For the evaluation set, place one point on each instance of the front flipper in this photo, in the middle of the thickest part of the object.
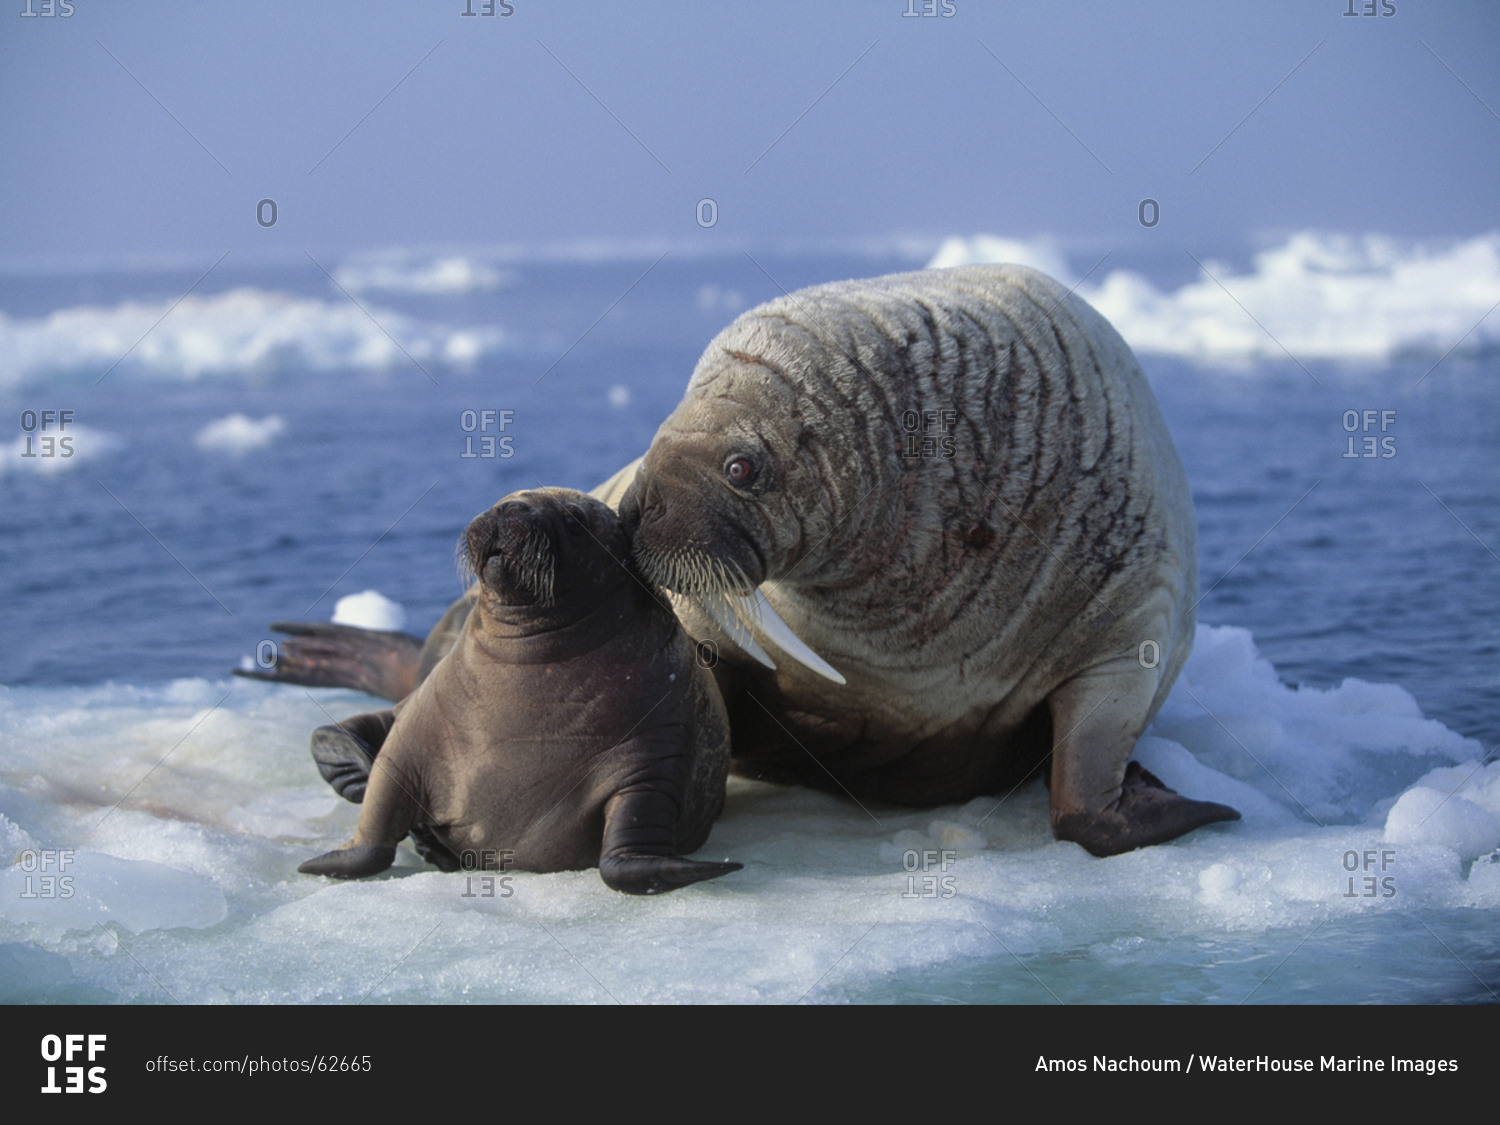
(1146, 813)
(351, 862)
(380, 663)
(1100, 799)
(345, 751)
(639, 854)
(391, 806)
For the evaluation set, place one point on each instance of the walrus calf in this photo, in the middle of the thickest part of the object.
(569, 726)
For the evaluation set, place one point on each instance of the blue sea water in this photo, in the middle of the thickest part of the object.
(1348, 519)
(1350, 544)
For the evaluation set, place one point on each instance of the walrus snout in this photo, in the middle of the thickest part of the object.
(687, 536)
(509, 549)
(497, 530)
(642, 500)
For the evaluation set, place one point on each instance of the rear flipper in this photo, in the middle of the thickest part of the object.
(638, 855)
(345, 752)
(380, 663)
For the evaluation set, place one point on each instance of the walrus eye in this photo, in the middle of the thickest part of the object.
(741, 472)
(573, 520)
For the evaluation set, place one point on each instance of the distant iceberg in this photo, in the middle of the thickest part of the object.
(239, 434)
(242, 332)
(441, 276)
(985, 249)
(1317, 296)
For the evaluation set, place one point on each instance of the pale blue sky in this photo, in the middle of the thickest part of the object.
(578, 121)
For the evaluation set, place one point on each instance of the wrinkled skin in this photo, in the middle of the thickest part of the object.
(956, 487)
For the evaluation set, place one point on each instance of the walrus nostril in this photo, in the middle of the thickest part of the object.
(513, 508)
(652, 502)
(638, 502)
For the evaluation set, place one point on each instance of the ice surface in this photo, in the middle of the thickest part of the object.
(89, 888)
(1317, 296)
(369, 609)
(186, 807)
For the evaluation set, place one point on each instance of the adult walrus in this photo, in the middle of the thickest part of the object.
(956, 488)
(569, 726)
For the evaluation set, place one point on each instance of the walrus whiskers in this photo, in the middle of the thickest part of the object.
(736, 604)
(463, 564)
(534, 567)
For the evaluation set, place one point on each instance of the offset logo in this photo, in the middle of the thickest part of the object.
(67, 1049)
(929, 434)
(926, 873)
(1359, 425)
(482, 433)
(39, 441)
(46, 875)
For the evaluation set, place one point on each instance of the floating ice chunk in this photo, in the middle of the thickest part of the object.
(711, 298)
(369, 609)
(463, 348)
(237, 434)
(439, 276)
(1322, 296)
(56, 450)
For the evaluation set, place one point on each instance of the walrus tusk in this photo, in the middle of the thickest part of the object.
(736, 614)
(728, 618)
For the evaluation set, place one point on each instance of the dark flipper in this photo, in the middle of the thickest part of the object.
(639, 856)
(653, 874)
(352, 862)
(1146, 813)
(382, 663)
(345, 752)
